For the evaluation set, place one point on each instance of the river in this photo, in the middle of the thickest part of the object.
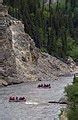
(37, 106)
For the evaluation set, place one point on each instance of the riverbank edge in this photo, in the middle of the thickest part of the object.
(63, 115)
(4, 83)
(71, 98)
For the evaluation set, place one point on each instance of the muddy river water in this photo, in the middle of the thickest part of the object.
(37, 106)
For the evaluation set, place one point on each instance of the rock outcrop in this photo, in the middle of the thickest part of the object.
(31, 64)
(7, 58)
(20, 60)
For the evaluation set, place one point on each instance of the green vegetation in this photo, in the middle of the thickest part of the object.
(72, 94)
(54, 27)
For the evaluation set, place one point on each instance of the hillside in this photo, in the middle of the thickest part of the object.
(32, 63)
(20, 60)
(53, 27)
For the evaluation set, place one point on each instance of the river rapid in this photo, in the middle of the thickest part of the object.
(37, 106)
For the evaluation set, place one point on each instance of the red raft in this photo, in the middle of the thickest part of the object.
(44, 86)
(17, 99)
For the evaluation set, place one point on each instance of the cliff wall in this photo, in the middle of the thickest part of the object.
(31, 64)
(20, 60)
(7, 58)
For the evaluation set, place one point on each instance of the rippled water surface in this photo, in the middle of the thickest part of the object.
(36, 107)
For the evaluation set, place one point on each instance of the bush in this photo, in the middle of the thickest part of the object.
(75, 80)
(72, 94)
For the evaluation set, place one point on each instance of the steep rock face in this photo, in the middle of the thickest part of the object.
(25, 52)
(31, 64)
(20, 60)
(7, 58)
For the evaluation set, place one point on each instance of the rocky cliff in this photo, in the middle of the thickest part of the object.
(31, 64)
(20, 60)
(7, 58)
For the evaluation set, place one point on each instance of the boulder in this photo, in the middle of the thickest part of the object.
(71, 63)
(3, 82)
